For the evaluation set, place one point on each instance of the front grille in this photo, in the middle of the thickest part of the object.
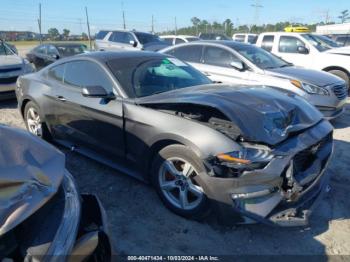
(8, 80)
(341, 91)
(6, 70)
(304, 159)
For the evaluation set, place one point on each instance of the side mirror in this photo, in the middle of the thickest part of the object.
(238, 65)
(303, 50)
(55, 56)
(133, 43)
(96, 92)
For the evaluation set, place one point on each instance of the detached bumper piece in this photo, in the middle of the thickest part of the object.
(70, 227)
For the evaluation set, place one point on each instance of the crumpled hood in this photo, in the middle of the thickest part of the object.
(263, 114)
(10, 60)
(31, 172)
(309, 76)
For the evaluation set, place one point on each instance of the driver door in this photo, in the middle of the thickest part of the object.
(216, 64)
(287, 48)
(92, 124)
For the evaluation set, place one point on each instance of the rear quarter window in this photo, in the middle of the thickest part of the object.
(188, 53)
(101, 35)
(267, 42)
(56, 73)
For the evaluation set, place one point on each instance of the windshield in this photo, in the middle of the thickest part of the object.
(71, 50)
(328, 41)
(260, 57)
(145, 38)
(147, 76)
(317, 42)
(5, 50)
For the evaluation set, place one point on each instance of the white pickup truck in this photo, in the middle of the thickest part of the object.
(307, 50)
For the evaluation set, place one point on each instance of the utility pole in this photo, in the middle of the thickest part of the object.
(152, 24)
(39, 24)
(327, 18)
(88, 27)
(175, 26)
(257, 6)
(124, 24)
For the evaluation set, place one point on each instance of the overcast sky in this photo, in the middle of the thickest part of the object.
(23, 14)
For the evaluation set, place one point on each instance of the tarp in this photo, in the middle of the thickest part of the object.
(31, 172)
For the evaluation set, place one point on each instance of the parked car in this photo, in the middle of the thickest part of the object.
(12, 47)
(11, 66)
(213, 36)
(119, 40)
(245, 38)
(238, 63)
(307, 50)
(178, 39)
(42, 214)
(247, 153)
(297, 29)
(47, 53)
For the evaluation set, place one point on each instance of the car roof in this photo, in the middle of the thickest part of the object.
(228, 43)
(104, 56)
(178, 36)
(125, 30)
(285, 33)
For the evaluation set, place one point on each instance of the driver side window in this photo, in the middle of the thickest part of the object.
(289, 44)
(85, 73)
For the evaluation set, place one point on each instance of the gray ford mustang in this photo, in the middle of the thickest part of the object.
(247, 154)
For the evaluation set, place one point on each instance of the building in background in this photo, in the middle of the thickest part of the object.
(333, 29)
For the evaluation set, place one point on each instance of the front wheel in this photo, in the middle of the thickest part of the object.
(343, 75)
(175, 174)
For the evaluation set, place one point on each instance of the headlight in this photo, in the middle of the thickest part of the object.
(311, 89)
(246, 159)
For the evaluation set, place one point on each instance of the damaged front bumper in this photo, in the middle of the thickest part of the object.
(282, 193)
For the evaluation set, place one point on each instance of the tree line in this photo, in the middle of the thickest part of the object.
(227, 27)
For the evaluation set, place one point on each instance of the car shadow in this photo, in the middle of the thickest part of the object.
(8, 104)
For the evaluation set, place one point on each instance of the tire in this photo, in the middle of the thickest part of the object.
(181, 157)
(343, 75)
(28, 116)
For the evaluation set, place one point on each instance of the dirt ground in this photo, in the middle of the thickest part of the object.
(141, 225)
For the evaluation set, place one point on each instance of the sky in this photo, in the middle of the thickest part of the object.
(107, 14)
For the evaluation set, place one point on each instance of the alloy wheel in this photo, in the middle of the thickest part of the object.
(176, 180)
(34, 122)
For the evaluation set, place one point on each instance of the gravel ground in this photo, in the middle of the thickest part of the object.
(141, 225)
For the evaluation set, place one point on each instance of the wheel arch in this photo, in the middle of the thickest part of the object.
(162, 143)
(330, 68)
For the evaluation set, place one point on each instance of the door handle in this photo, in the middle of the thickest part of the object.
(61, 98)
(206, 73)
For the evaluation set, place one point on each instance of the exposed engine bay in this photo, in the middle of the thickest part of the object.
(204, 114)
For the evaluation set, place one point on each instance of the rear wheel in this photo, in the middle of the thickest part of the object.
(175, 174)
(34, 122)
